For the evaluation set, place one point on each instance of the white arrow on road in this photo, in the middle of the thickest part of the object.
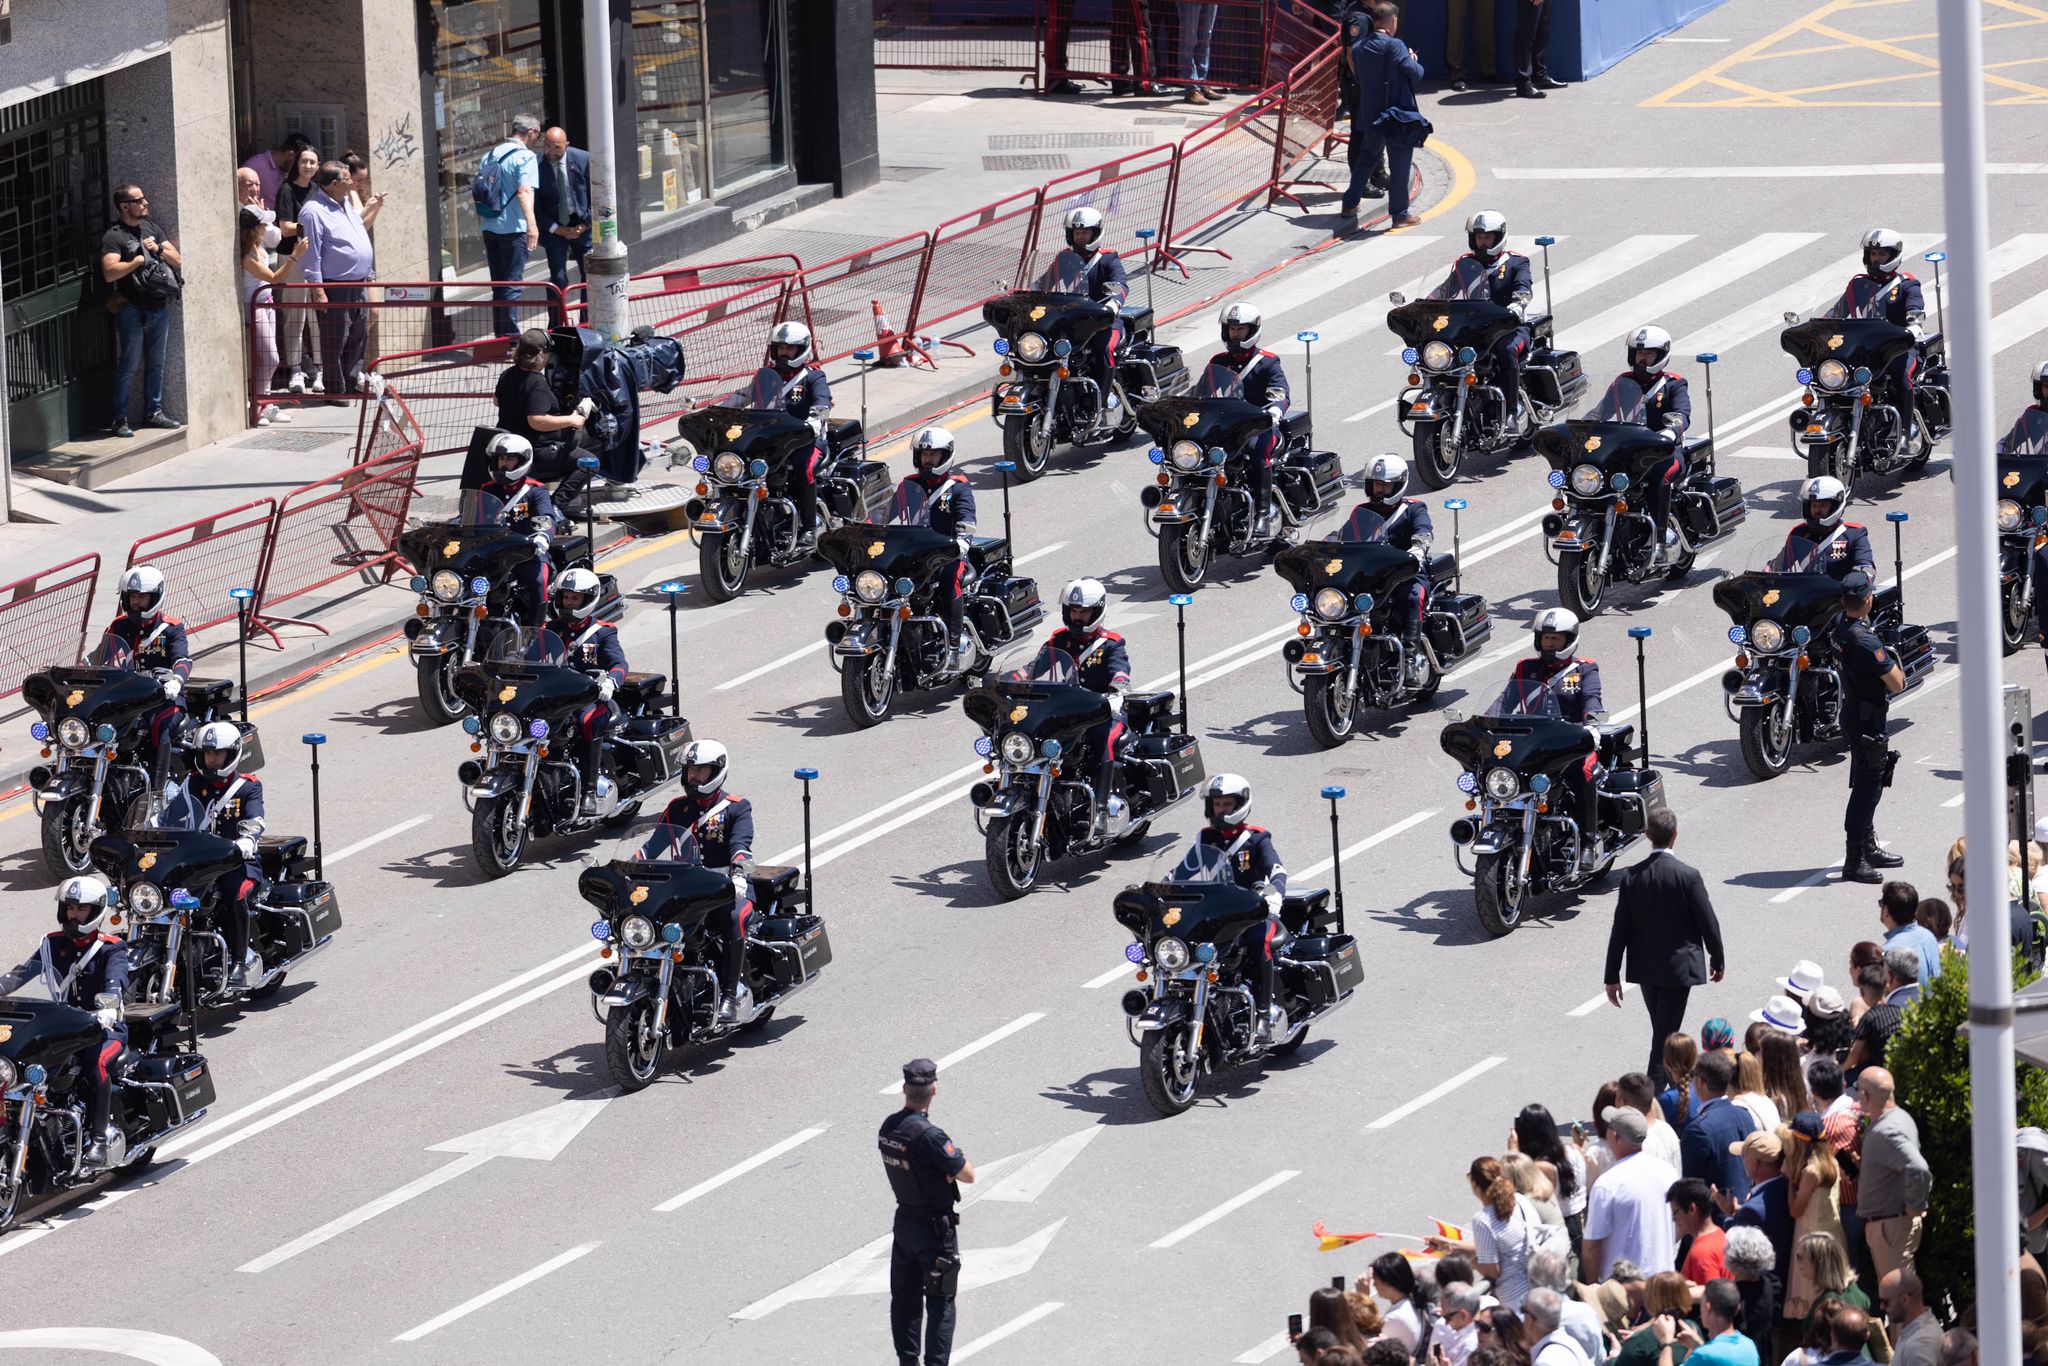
(537, 1137)
(865, 1271)
(133, 1343)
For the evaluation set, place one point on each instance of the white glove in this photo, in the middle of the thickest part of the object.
(540, 541)
(1919, 332)
(174, 686)
(1519, 309)
(1272, 900)
(1116, 704)
(1273, 416)
(1668, 435)
(108, 1017)
(964, 544)
(1421, 554)
(816, 422)
(586, 409)
(741, 888)
(606, 686)
(247, 846)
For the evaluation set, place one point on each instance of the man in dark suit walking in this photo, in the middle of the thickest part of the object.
(561, 205)
(1386, 70)
(1665, 926)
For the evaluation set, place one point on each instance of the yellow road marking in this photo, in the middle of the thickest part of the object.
(1463, 180)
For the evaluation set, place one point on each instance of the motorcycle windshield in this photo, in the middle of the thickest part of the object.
(763, 391)
(1624, 401)
(479, 511)
(1219, 381)
(1362, 527)
(1456, 323)
(656, 841)
(1198, 862)
(914, 504)
(1374, 566)
(1047, 664)
(106, 685)
(2028, 436)
(1783, 589)
(513, 647)
(1189, 894)
(1525, 697)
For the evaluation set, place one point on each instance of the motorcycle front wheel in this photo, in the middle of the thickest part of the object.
(1026, 443)
(67, 838)
(438, 702)
(1013, 856)
(2012, 617)
(632, 1050)
(1581, 587)
(1498, 892)
(1766, 745)
(867, 690)
(1436, 455)
(1169, 1081)
(723, 570)
(1331, 710)
(10, 1198)
(497, 837)
(1183, 556)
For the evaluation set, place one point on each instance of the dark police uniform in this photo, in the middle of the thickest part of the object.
(724, 824)
(1573, 686)
(924, 1262)
(1105, 666)
(1864, 660)
(2029, 436)
(592, 647)
(1896, 298)
(1810, 549)
(1261, 379)
(952, 516)
(806, 395)
(1253, 863)
(528, 509)
(78, 972)
(150, 643)
(1099, 276)
(1663, 403)
(230, 805)
(1504, 281)
(1405, 525)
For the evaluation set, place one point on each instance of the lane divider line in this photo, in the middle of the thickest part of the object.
(995, 1036)
(1433, 1094)
(1234, 1203)
(739, 1169)
(1001, 1331)
(1581, 1011)
(378, 838)
(496, 1293)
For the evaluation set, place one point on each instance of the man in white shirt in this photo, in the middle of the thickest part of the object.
(1549, 1344)
(1549, 1270)
(1638, 1093)
(1457, 1328)
(1627, 1215)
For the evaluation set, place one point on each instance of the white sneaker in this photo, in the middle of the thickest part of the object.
(263, 416)
(297, 383)
(280, 415)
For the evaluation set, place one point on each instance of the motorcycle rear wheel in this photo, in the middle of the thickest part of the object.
(1168, 1084)
(10, 1200)
(2012, 619)
(438, 702)
(632, 1050)
(758, 1023)
(1766, 748)
(66, 838)
(496, 837)
(1183, 557)
(719, 562)
(1289, 1048)
(866, 690)
(1436, 458)
(1498, 897)
(1331, 710)
(1581, 587)
(1027, 445)
(1012, 859)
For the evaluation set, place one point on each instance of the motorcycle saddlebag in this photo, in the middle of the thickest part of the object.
(807, 934)
(1554, 378)
(656, 744)
(1458, 624)
(1931, 397)
(1635, 793)
(1326, 474)
(1325, 967)
(1151, 371)
(1019, 597)
(1723, 494)
(286, 901)
(1915, 651)
(1171, 764)
(176, 1086)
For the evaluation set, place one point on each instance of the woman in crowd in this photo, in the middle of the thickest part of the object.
(1717, 1036)
(256, 234)
(1865, 953)
(1753, 1265)
(1827, 1026)
(1814, 1180)
(1535, 1136)
(1935, 917)
(1818, 1341)
(1501, 1328)
(295, 325)
(1749, 1084)
(1327, 1309)
(1664, 1293)
(1532, 1185)
(1392, 1282)
(1681, 1055)
(1785, 1074)
(1504, 1232)
(1593, 1148)
(1821, 1263)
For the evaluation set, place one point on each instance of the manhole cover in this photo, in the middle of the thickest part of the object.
(291, 441)
(1029, 161)
(641, 501)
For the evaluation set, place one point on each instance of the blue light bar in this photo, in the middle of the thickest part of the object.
(1737, 634)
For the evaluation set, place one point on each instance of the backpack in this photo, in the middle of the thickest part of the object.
(493, 187)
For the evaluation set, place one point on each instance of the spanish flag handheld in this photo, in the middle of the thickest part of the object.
(1451, 1231)
(1330, 1242)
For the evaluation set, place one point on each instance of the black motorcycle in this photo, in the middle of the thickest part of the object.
(1194, 1012)
(1846, 427)
(107, 769)
(1784, 689)
(1041, 400)
(45, 1095)
(747, 448)
(1454, 405)
(1596, 534)
(1349, 654)
(889, 634)
(464, 577)
(1201, 505)
(659, 987)
(1522, 831)
(1040, 800)
(2022, 529)
(527, 725)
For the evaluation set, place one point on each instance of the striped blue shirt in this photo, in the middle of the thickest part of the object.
(337, 244)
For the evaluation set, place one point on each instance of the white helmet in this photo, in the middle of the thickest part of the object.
(931, 441)
(1648, 337)
(1083, 220)
(1824, 488)
(705, 754)
(2040, 378)
(146, 579)
(1887, 247)
(581, 581)
(1386, 469)
(83, 891)
(217, 737)
(1556, 621)
(789, 334)
(1086, 598)
(509, 446)
(1487, 221)
(1239, 315)
(1226, 785)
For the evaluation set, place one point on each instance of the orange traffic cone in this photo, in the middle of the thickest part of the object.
(885, 338)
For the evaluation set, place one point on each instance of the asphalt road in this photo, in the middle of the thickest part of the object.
(731, 1211)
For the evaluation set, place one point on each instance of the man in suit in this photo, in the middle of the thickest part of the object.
(1717, 1126)
(1386, 70)
(1666, 927)
(561, 204)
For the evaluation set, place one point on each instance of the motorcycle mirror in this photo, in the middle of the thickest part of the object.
(1397, 297)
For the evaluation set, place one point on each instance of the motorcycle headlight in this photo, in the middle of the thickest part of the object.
(870, 585)
(638, 932)
(8, 1076)
(1331, 604)
(1031, 347)
(145, 898)
(447, 585)
(505, 728)
(729, 468)
(72, 734)
(2009, 517)
(1586, 480)
(1831, 374)
(1170, 954)
(1189, 455)
(1017, 748)
(1766, 637)
(1502, 784)
(1438, 356)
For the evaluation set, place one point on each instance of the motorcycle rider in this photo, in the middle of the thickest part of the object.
(527, 508)
(1084, 267)
(1261, 379)
(1555, 681)
(1404, 524)
(1662, 401)
(1489, 272)
(2029, 435)
(1255, 866)
(950, 500)
(1105, 667)
(724, 825)
(217, 797)
(1821, 542)
(806, 395)
(590, 646)
(141, 637)
(1885, 291)
(81, 965)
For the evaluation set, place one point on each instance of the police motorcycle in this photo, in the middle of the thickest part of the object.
(889, 634)
(1349, 653)
(106, 769)
(1783, 689)
(1844, 424)
(658, 988)
(528, 707)
(1202, 504)
(1041, 401)
(746, 449)
(1040, 799)
(1193, 1012)
(465, 575)
(2022, 520)
(1454, 407)
(1522, 831)
(1595, 533)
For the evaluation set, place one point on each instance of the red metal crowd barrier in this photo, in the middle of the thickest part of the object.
(1224, 164)
(44, 619)
(974, 257)
(865, 298)
(1132, 192)
(206, 558)
(346, 524)
(909, 36)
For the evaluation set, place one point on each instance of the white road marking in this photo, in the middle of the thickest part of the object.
(1934, 682)
(865, 1271)
(1265, 1351)
(995, 1036)
(1765, 453)
(1041, 1168)
(1406, 823)
(1768, 313)
(771, 666)
(1802, 172)
(1954, 801)
(1696, 283)
(1813, 880)
(1038, 554)
(1234, 1203)
(997, 1334)
(137, 1344)
(1433, 1094)
(1580, 1011)
(378, 838)
(495, 1293)
(1124, 969)
(1494, 658)
(22, 1237)
(1313, 287)
(739, 1169)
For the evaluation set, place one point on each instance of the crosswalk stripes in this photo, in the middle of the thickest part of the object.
(1766, 314)
(1696, 283)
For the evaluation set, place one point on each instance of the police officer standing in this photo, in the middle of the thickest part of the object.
(925, 1171)
(1870, 675)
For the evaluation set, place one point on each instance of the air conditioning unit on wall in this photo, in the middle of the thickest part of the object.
(325, 126)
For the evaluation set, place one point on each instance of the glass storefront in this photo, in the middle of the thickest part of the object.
(710, 108)
(489, 63)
